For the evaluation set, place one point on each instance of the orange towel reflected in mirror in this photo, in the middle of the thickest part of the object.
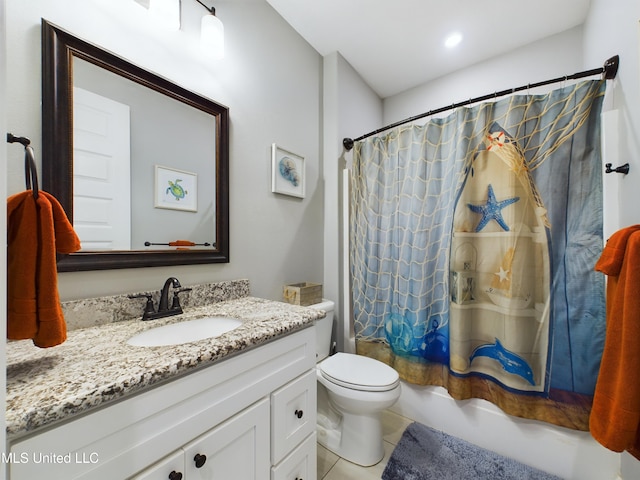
(182, 243)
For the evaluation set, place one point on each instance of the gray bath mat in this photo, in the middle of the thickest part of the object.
(427, 454)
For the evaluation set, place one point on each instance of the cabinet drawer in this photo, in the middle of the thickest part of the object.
(164, 468)
(299, 464)
(293, 414)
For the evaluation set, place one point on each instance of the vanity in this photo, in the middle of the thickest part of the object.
(238, 406)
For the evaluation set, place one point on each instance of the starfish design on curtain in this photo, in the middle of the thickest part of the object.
(492, 210)
(503, 274)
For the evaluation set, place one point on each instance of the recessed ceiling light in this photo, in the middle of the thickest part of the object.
(453, 40)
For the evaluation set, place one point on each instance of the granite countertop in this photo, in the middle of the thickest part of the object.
(95, 365)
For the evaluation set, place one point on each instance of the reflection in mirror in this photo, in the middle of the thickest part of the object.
(137, 162)
(129, 131)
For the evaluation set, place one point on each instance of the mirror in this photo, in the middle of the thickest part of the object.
(161, 178)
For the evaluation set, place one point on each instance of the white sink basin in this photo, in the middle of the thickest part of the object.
(184, 332)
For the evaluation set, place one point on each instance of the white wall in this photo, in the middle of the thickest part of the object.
(552, 57)
(614, 28)
(270, 79)
(349, 105)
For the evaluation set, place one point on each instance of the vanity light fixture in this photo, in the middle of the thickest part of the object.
(211, 34)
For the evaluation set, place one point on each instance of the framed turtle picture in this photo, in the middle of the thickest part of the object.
(287, 172)
(176, 189)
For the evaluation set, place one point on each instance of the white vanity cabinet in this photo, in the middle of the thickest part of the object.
(238, 449)
(249, 417)
(293, 427)
(171, 468)
(299, 464)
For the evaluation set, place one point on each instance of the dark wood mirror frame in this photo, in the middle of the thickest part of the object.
(58, 49)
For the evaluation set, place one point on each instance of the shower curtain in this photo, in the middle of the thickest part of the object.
(472, 245)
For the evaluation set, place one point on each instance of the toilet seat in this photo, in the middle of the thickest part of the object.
(359, 373)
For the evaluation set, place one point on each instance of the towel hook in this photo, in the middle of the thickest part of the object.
(11, 138)
(30, 171)
(624, 169)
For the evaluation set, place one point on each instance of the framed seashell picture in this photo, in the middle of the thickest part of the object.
(287, 172)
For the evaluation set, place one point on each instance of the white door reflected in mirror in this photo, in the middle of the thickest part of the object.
(101, 172)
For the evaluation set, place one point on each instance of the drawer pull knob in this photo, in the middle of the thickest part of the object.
(175, 475)
(200, 460)
(299, 414)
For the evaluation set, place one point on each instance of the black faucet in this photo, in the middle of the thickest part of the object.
(164, 294)
(164, 310)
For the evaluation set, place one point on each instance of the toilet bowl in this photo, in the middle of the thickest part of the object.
(352, 392)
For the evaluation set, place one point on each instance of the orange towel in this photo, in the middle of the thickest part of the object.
(615, 414)
(181, 243)
(36, 229)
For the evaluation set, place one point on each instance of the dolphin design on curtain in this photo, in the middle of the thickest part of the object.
(472, 245)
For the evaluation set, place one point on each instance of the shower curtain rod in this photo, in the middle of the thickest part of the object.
(610, 69)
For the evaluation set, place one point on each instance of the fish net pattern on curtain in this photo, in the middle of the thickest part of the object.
(443, 214)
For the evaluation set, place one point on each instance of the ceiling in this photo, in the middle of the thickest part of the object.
(396, 45)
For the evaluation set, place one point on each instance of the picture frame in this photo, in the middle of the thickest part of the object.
(287, 172)
(175, 189)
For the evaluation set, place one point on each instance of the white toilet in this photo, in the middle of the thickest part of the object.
(352, 392)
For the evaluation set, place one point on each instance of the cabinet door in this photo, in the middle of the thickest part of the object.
(299, 464)
(237, 449)
(293, 414)
(169, 468)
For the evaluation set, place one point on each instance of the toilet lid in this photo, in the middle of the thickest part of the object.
(359, 373)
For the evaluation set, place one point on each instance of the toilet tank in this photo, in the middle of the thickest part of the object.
(323, 328)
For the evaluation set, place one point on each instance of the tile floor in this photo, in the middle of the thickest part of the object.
(332, 467)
